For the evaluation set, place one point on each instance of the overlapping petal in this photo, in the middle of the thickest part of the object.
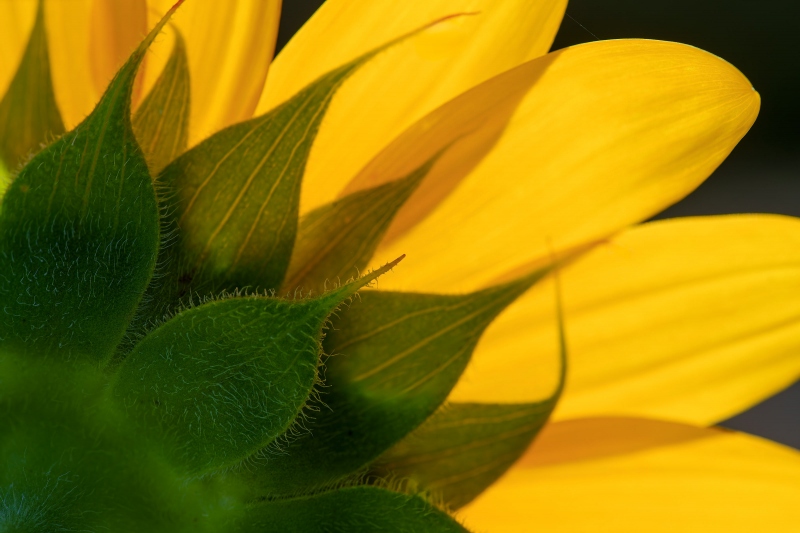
(633, 475)
(405, 83)
(611, 133)
(230, 47)
(458, 135)
(690, 319)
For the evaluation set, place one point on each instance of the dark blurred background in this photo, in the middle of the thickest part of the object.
(763, 173)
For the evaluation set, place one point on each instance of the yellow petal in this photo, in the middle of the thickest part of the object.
(16, 22)
(230, 46)
(69, 38)
(635, 475)
(689, 319)
(465, 128)
(89, 40)
(404, 84)
(611, 133)
(117, 28)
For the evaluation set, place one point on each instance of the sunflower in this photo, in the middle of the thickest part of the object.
(176, 348)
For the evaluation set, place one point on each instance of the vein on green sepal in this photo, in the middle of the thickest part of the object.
(463, 448)
(395, 358)
(339, 238)
(161, 123)
(233, 223)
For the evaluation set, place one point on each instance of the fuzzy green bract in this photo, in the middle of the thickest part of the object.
(463, 448)
(180, 351)
(79, 233)
(399, 355)
(225, 379)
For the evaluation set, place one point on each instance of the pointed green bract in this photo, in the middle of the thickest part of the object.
(29, 115)
(338, 239)
(237, 196)
(234, 216)
(79, 234)
(351, 510)
(463, 448)
(223, 380)
(161, 123)
(395, 358)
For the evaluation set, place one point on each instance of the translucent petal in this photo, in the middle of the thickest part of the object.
(230, 47)
(688, 319)
(458, 135)
(611, 133)
(117, 28)
(89, 41)
(405, 83)
(69, 25)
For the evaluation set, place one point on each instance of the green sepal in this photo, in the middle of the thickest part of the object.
(338, 239)
(396, 356)
(234, 219)
(465, 447)
(350, 510)
(221, 381)
(79, 234)
(236, 201)
(161, 123)
(29, 114)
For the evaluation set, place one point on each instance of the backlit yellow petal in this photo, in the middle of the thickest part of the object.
(230, 46)
(405, 83)
(89, 40)
(69, 34)
(466, 128)
(117, 28)
(16, 22)
(688, 319)
(611, 133)
(634, 475)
